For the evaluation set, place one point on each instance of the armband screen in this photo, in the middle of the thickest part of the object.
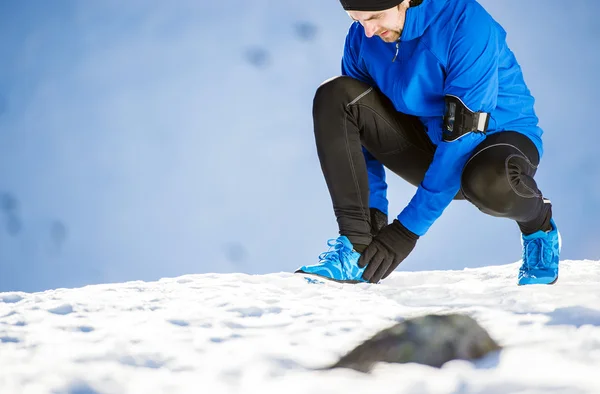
(460, 120)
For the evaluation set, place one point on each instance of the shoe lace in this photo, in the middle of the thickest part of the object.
(333, 254)
(537, 252)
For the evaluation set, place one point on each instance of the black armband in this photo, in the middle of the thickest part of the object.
(460, 120)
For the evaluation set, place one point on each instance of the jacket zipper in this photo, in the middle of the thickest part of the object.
(397, 48)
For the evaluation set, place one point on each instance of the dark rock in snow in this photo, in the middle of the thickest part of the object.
(431, 340)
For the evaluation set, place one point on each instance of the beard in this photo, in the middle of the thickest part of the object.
(390, 35)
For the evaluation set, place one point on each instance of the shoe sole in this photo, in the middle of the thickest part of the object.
(539, 283)
(329, 279)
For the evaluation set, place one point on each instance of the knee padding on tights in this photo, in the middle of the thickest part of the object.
(485, 183)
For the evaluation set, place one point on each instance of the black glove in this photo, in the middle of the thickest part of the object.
(387, 250)
(378, 221)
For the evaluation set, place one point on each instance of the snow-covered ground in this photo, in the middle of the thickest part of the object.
(234, 333)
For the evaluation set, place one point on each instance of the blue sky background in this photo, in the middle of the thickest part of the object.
(141, 140)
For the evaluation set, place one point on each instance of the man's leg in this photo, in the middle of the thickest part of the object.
(498, 179)
(349, 114)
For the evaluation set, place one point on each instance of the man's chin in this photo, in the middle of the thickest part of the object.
(390, 37)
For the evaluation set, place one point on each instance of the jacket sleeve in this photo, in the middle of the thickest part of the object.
(352, 67)
(471, 75)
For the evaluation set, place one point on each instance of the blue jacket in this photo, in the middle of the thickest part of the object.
(447, 47)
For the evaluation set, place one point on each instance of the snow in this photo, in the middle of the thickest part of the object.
(238, 333)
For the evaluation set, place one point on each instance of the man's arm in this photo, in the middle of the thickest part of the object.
(472, 76)
(352, 66)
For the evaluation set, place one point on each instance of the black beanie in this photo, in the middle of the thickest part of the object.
(369, 5)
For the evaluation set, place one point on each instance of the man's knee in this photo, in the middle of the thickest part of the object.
(486, 185)
(340, 90)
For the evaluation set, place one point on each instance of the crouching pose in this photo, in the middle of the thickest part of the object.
(430, 91)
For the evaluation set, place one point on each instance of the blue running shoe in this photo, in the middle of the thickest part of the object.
(339, 263)
(541, 252)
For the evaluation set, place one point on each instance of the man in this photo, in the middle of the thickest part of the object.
(430, 90)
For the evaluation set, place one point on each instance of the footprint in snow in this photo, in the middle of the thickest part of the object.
(178, 322)
(10, 298)
(64, 309)
(255, 311)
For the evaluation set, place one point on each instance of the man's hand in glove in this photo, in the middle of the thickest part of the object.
(387, 250)
(378, 221)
